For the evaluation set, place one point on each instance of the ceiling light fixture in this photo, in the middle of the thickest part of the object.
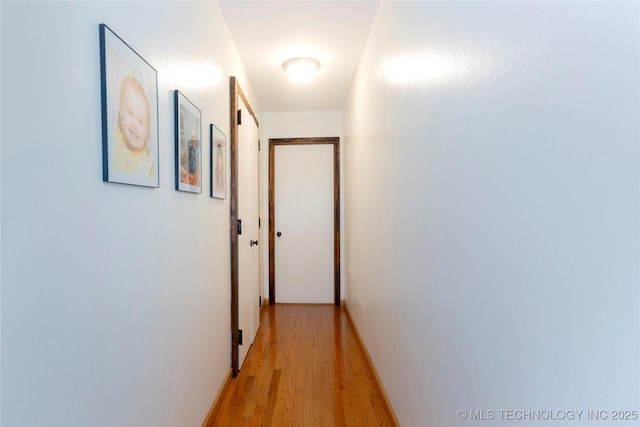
(301, 70)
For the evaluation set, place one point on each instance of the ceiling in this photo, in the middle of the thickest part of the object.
(267, 33)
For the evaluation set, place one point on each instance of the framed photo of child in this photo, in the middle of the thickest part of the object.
(218, 161)
(129, 114)
(188, 145)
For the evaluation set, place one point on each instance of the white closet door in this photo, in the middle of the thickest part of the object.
(304, 271)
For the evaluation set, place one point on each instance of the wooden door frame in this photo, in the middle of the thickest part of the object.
(235, 92)
(335, 141)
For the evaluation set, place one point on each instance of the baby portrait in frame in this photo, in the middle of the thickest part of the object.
(188, 145)
(218, 160)
(129, 87)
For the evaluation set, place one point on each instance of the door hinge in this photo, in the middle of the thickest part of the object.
(239, 336)
(239, 226)
(258, 145)
(239, 117)
(259, 224)
(260, 301)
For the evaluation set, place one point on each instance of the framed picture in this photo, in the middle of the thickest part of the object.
(188, 145)
(218, 162)
(129, 114)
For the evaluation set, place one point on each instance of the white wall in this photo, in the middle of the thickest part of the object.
(115, 298)
(492, 201)
(299, 124)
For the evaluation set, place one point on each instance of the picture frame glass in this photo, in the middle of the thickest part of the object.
(129, 114)
(218, 160)
(188, 145)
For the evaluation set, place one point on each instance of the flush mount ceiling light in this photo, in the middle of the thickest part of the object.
(301, 70)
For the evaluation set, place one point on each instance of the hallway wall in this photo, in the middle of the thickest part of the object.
(492, 199)
(115, 298)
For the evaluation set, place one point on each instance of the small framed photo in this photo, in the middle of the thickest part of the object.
(218, 161)
(129, 87)
(188, 145)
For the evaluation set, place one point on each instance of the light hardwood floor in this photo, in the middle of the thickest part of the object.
(305, 368)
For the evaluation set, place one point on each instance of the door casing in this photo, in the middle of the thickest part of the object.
(335, 141)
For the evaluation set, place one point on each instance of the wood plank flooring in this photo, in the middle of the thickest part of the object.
(305, 368)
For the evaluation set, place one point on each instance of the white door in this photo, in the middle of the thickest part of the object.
(256, 294)
(304, 214)
(248, 255)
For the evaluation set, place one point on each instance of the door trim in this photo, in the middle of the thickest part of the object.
(235, 92)
(335, 141)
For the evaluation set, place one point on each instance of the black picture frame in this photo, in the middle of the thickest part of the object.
(218, 163)
(188, 146)
(129, 92)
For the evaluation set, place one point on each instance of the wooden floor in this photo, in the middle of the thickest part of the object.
(305, 368)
